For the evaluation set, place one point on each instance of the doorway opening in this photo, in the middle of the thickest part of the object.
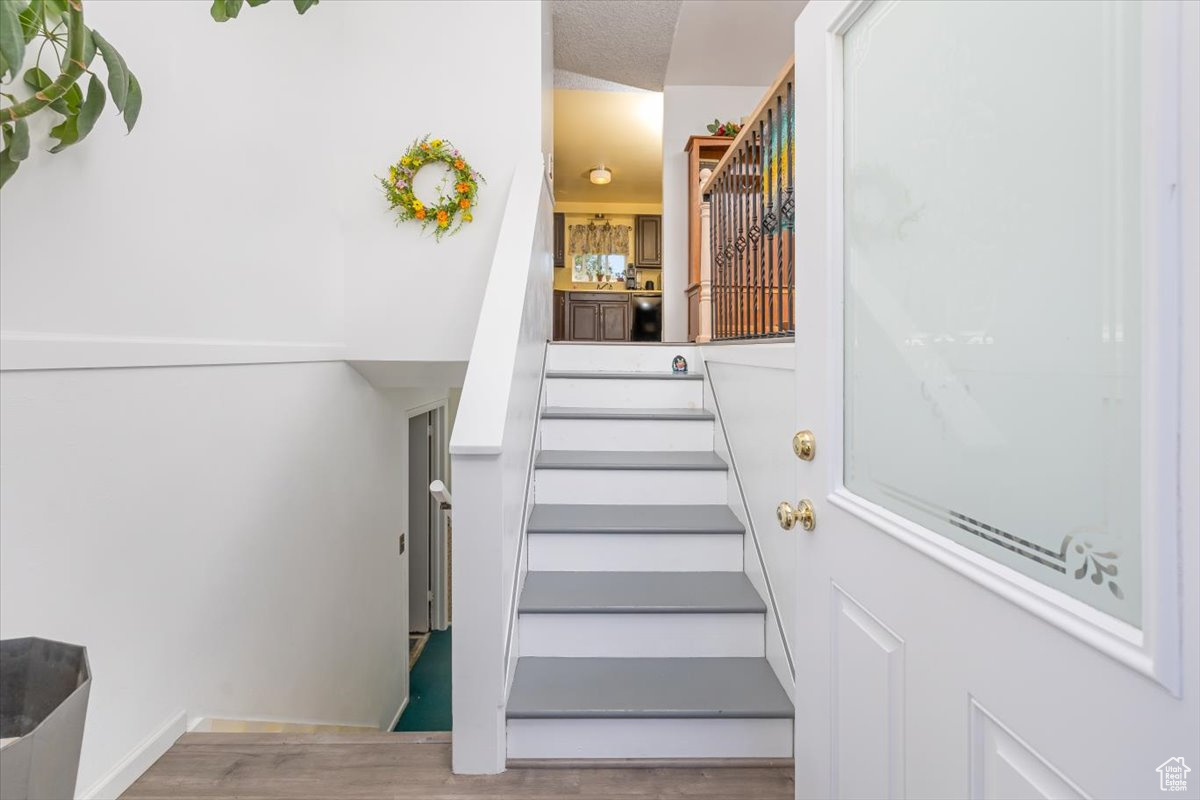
(430, 638)
(608, 233)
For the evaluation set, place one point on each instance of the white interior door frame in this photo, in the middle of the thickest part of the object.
(1155, 649)
(439, 549)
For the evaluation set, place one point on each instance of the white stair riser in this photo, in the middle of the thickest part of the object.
(627, 434)
(622, 358)
(641, 635)
(630, 486)
(624, 393)
(635, 552)
(650, 738)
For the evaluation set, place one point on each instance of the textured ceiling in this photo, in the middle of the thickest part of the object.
(723, 43)
(616, 40)
(622, 131)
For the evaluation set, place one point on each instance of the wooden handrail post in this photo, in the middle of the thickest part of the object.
(705, 334)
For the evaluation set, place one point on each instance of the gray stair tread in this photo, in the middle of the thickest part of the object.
(566, 412)
(639, 593)
(630, 459)
(596, 374)
(633, 519)
(646, 687)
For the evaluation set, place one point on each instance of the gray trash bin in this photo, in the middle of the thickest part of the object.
(43, 700)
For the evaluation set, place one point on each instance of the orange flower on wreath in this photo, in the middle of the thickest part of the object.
(420, 213)
(464, 203)
(463, 188)
(443, 218)
(459, 163)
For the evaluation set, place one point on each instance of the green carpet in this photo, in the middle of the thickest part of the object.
(429, 688)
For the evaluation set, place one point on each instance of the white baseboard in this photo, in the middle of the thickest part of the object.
(399, 713)
(137, 761)
(204, 724)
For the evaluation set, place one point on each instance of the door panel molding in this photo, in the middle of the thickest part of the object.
(1154, 649)
(1003, 765)
(867, 674)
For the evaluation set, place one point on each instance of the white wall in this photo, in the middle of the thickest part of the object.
(406, 295)
(213, 218)
(244, 205)
(686, 112)
(754, 386)
(222, 539)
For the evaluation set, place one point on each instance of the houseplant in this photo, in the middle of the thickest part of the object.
(73, 48)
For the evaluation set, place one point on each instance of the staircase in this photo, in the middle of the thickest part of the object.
(639, 635)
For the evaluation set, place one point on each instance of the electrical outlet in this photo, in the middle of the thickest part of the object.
(402, 544)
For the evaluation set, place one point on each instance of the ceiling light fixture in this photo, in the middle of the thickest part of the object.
(600, 176)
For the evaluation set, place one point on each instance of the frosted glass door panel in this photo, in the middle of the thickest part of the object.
(992, 279)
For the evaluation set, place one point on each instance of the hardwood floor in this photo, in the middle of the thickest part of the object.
(399, 766)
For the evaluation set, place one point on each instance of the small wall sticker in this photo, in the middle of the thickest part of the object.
(679, 365)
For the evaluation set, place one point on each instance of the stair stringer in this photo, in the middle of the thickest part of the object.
(778, 649)
(511, 645)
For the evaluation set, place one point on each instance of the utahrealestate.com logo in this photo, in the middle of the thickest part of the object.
(1172, 775)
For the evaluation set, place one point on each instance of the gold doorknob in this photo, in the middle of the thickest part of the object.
(804, 445)
(802, 513)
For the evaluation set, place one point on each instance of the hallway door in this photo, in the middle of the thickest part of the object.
(422, 518)
(996, 351)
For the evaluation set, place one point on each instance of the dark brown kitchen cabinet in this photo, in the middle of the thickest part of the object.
(585, 321)
(647, 232)
(560, 316)
(614, 321)
(560, 240)
(597, 317)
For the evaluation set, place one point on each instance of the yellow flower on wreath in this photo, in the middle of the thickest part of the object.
(443, 218)
(418, 205)
(437, 143)
(467, 217)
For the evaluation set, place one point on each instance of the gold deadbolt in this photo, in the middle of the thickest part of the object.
(805, 445)
(802, 513)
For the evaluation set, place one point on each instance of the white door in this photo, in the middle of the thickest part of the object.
(996, 350)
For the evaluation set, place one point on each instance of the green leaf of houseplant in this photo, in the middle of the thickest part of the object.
(118, 72)
(89, 47)
(31, 20)
(70, 102)
(233, 8)
(67, 133)
(254, 3)
(12, 38)
(18, 149)
(56, 8)
(218, 11)
(133, 103)
(7, 165)
(36, 78)
(304, 5)
(75, 129)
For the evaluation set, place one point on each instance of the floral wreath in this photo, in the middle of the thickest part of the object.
(444, 215)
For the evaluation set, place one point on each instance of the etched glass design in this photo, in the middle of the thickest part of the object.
(992, 174)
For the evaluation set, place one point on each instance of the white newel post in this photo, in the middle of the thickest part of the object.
(705, 334)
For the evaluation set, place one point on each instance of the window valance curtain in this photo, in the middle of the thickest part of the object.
(593, 239)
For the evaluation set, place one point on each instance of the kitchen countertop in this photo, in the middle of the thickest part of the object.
(611, 291)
